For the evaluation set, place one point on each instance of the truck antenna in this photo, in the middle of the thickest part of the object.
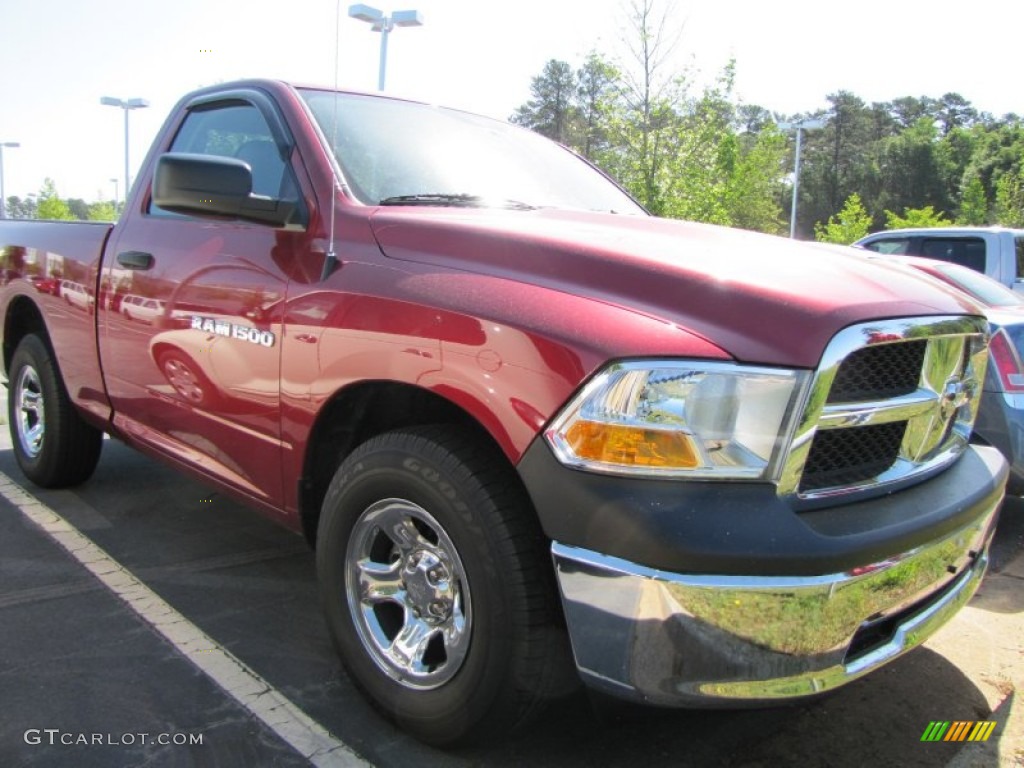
(331, 258)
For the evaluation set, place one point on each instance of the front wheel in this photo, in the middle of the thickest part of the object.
(437, 588)
(53, 445)
(187, 378)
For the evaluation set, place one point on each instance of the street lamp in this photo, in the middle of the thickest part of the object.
(3, 200)
(801, 126)
(127, 105)
(384, 24)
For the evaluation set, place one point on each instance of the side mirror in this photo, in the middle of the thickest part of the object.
(208, 185)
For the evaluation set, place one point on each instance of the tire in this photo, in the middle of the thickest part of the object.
(191, 384)
(54, 446)
(426, 539)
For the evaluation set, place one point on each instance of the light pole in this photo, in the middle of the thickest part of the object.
(127, 105)
(384, 24)
(801, 126)
(3, 200)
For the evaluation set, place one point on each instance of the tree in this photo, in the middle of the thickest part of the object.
(913, 169)
(908, 110)
(647, 126)
(551, 111)
(988, 151)
(954, 111)
(973, 204)
(681, 156)
(913, 218)
(21, 209)
(883, 124)
(709, 158)
(50, 205)
(597, 89)
(102, 211)
(755, 186)
(752, 119)
(702, 156)
(78, 207)
(838, 160)
(851, 224)
(1010, 199)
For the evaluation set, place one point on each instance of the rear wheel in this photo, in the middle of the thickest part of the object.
(53, 445)
(436, 586)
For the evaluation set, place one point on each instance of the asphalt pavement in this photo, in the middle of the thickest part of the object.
(86, 679)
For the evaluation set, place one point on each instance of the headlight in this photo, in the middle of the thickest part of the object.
(680, 419)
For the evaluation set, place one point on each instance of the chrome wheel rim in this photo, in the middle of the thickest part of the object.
(184, 380)
(408, 594)
(30, 415)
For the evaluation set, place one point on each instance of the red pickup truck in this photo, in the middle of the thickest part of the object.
(516, 414)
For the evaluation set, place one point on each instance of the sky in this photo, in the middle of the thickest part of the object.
(58, 57)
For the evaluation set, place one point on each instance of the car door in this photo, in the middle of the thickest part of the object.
(200, 379)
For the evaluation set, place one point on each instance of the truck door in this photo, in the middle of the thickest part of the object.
(192, 310)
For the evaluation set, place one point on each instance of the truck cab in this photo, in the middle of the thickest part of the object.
(994, 251)
(529, 427)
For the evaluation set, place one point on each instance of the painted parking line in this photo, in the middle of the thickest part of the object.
(245, 686)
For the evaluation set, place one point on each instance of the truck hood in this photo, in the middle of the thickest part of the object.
(762, 299)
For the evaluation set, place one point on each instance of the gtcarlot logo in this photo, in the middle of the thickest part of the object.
(958, 730)
(55, 737)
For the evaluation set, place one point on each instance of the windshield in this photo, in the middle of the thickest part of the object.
(984, 289)
(404, 153)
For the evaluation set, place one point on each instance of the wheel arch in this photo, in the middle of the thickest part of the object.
(162, 347)
(363, 411)
(23, 317)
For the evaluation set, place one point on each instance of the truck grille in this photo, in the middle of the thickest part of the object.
(875, 373)
(842, 457)
(891, 401)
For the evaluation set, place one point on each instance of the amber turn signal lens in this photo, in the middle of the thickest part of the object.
(632, 446)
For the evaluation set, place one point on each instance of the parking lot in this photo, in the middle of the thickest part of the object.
(196, 639)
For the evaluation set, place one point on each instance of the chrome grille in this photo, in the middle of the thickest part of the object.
(891, 401)
(841, 457)
(874, 373)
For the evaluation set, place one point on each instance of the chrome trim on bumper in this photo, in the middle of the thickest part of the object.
(685, 640)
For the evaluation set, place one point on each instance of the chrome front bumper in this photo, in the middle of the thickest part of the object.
(690, 640)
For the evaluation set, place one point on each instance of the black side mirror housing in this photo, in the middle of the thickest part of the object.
(208, 185)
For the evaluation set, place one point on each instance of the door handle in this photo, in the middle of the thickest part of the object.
(135, 259)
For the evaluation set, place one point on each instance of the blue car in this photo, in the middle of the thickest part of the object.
(1000, 420)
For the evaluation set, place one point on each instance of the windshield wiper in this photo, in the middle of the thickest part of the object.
(446, 199)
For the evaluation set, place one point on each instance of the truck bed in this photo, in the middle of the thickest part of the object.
(57, 276)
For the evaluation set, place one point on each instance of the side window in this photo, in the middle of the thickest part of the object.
(966, 251)
(889, 246)
(239, 131)
(1019, 243)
